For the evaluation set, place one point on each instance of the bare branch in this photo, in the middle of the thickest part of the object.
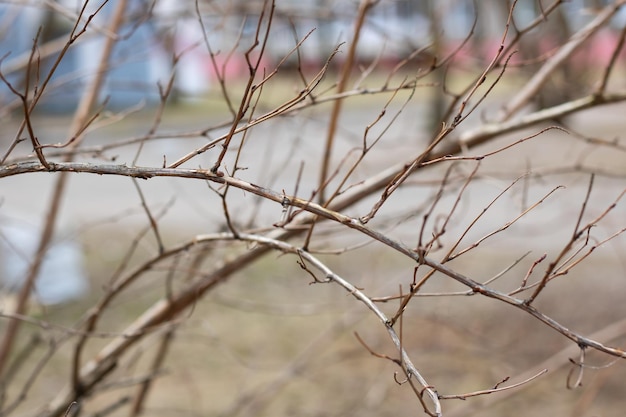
(364, 8)
(497, 388)
(539, 79)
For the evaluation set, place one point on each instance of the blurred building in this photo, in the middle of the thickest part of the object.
(156, 32)
(62, 276)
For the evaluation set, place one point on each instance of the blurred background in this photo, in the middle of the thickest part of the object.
(155, 31)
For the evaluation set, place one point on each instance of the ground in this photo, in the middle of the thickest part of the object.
(269, 343)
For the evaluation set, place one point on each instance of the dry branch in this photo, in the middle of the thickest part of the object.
(300, 215)
(534, 84)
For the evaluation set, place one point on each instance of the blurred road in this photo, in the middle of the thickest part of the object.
(272, 156)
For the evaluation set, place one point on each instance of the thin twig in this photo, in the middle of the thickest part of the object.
(153, 224)
(497, 388)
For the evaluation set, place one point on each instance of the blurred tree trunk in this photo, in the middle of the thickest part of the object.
(437, 108)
